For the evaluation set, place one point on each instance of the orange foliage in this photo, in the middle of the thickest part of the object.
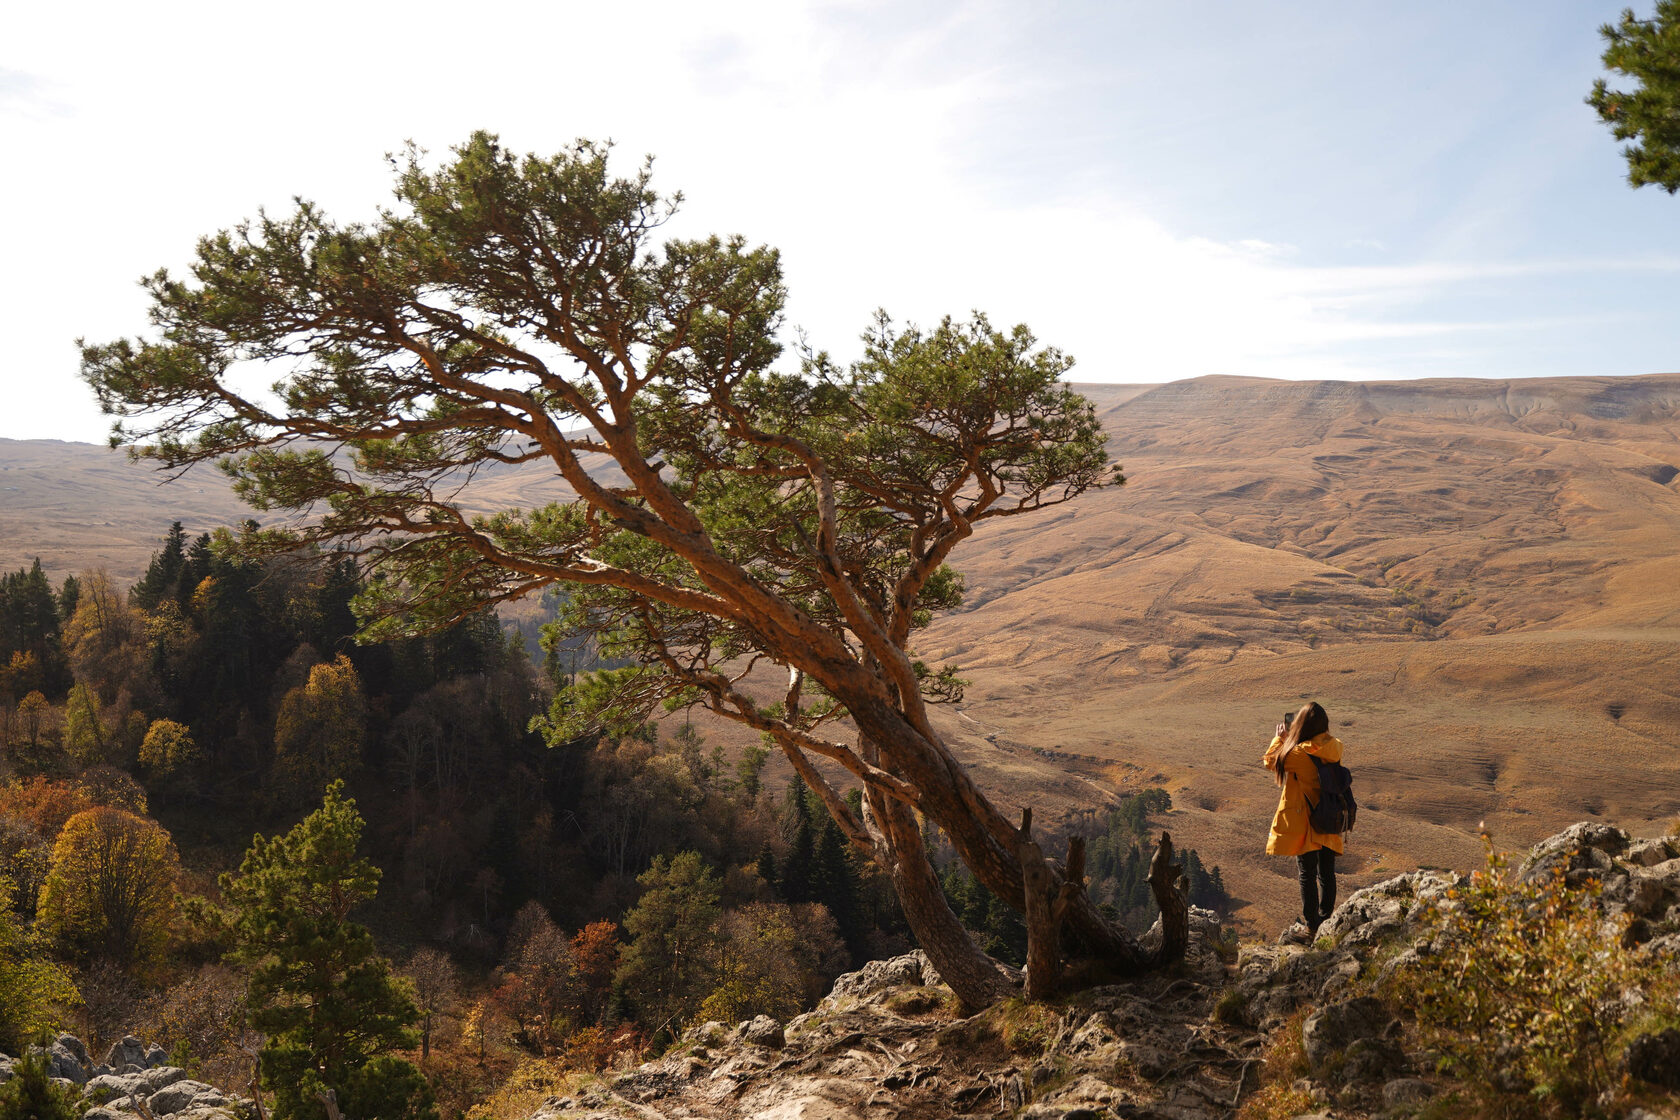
(594, 961)
(45, 803)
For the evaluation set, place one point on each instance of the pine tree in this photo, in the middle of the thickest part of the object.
(795, 883)
(327, 1001)
(163, 575)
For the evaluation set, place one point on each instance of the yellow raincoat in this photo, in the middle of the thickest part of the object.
(1292, 833)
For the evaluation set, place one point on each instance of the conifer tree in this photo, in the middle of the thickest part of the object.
(1647, 51)
(326, 999)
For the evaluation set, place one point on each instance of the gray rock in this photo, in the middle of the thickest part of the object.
(1583, 848)
(114, 1086)
(155, 1056)
(1372, 1059)
(1647, 895)
(181, 1095)
(1406, 1092)
(911, 969)
(62, 1062)
(75, 1047)
(1646, 853)
(106, 1112)
(1667, 873)
(1665, 947)
(129, 1052)
(1655, 1058)
(1340, 1025)
(6, 1065)
(764, 1031)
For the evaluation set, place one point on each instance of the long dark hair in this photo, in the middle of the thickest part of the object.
(1309, 723)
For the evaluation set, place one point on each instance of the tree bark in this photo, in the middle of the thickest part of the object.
(977, 980)
(1044, 927)
(1164, 876)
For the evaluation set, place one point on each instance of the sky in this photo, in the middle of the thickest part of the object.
(1263, 188)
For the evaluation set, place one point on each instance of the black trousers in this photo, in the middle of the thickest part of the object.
(1318, 884)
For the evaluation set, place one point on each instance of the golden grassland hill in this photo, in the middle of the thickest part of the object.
(1479, 579)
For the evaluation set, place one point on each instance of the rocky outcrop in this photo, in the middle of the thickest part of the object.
(1184, 1045)
(133, 1082)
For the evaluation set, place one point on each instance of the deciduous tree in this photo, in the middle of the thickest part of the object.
(319, 731)
(727, 514)
(31, 989)
(110, 891)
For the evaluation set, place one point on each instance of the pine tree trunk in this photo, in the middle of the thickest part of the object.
(977, 979)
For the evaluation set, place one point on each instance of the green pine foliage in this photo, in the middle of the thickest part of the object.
(1648, 52)
(32, 1095)
(31, 653)
(318, 987)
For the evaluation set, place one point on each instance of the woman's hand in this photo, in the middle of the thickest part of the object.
(1282, 730)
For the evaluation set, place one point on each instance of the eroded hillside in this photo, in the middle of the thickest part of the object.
(1480, 580)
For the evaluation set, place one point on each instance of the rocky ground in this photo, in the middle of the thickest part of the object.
(1193, 1044)
(134, 1080)
(1190, 1045)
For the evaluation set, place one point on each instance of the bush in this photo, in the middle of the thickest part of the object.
(32, 1095)
(1524, 994)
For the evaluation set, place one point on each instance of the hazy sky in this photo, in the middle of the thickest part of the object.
(1283, 189)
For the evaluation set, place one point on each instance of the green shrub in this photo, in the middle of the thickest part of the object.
(1523, 996)
(32, 1095)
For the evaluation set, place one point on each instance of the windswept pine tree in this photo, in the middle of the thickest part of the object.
(517, 310)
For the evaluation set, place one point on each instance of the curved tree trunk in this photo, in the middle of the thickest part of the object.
(975, 977)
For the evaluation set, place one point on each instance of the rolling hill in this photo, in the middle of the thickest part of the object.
(1480, 580)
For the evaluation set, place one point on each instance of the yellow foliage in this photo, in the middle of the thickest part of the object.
(110, 891)
(319, 731)
(168, 747)
(524, 1092)
(32, 991)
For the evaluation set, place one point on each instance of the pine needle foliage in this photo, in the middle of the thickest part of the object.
(326, 999)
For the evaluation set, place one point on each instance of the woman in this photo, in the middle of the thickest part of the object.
(1290, 758)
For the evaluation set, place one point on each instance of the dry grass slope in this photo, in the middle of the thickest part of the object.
(1480, 580)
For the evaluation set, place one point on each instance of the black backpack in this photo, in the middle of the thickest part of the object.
(1336, 807)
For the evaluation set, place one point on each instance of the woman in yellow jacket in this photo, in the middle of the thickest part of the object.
(1290, 758)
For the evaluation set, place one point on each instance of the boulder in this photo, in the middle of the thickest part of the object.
(1340, 1025)
(1406, 1092)
(1580, 850)
(183, 1094)
(129, 1052)
(112, 1087)
(1655, 1058)
(1645, 853)
(63, 1062)
(1372, 1059)
(911, 969)
(763, 1031)
(75, 1048)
